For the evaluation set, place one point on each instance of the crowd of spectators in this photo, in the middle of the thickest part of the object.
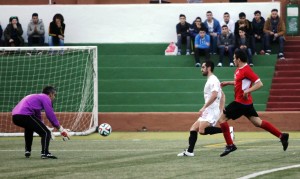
(213, 37)
(13, 33)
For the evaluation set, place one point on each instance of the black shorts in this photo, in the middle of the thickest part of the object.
(235, 110)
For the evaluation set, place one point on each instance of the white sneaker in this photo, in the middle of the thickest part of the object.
(178, 53)
(187, 53)
(219, 65)
(231, 65)
(185, 154)
(231, 133)
(197, 64)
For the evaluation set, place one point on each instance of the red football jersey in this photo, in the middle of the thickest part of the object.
(244, 77)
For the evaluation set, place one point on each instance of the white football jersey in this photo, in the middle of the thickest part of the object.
(212, 84)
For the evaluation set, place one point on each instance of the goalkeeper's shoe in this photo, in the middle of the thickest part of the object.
(285, 140)
(228, 149)
(27, 154)
(48, 155)
(185, 153)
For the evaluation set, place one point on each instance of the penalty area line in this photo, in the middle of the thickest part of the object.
(268, 171)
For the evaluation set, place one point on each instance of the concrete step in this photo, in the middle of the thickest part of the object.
(285, 92)
(291, 48)
(284, 99)
(287, 73)
(285, 67)
(289, 61)
(283, 109)
(290, 105)
(286, 85)
(286, 80)
(292, 54)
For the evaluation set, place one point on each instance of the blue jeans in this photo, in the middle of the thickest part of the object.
(52, 40)
(213, 44)
(279, 39)
(188, 42)
(222, 53)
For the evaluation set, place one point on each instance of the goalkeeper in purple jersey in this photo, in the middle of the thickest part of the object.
(27, 114)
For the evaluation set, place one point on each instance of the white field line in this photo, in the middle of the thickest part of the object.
(253, 175)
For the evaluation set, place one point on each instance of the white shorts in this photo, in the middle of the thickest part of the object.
(210, 115)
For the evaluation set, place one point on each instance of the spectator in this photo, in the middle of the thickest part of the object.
(194, 30)
(226, 45)
(36, 31)
(258, 31)
(227, 21)
(13, 32)
(243, 43)
(243, 23)
(202, 45)
(57, 30)
(274, 29)
(214, 30)
(183, 34)
(1, 32)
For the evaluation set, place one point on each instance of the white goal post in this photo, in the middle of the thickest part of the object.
(73, 70)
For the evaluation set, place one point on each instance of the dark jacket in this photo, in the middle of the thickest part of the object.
(55, 31)
(184, 30)
(238, 42)
(194, 30)
(226, 40)
(16, 34)
(248, 28)
(258, 27)
(1, 32)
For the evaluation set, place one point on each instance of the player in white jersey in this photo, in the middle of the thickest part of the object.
(211, 110)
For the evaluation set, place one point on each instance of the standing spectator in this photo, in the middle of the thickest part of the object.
(183, 34)
(13, 32)
(274, 29)
(202, 44)
(243, 23)
(36, 31)
(57, 30)
(227, 21)
(214, 30)
(258, 23)
(226, 45)
(195, 28)
(243, 43)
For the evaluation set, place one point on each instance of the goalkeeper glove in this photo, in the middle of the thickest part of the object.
(52, 135)
(64, 133)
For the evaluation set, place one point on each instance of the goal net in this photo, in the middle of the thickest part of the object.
(72, 70)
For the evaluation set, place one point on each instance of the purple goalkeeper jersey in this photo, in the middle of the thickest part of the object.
(33, 104)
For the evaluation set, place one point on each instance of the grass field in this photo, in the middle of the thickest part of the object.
(150, 155)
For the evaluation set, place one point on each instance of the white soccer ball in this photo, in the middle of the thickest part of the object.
(104, 129)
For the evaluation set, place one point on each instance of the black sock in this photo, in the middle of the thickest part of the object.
(212, 130)
(192, 141)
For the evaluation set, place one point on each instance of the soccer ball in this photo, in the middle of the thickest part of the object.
(104, 129)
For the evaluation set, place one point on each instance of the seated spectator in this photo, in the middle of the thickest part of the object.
(243, 23)
(202, 46)
(226, 45)
(227, 21)
(214, 30)
(183, 34)
(57, 30)
(194, 30)
(274, 30)
(243, 43)
(13, 33)
(258, 31)
(36, 31)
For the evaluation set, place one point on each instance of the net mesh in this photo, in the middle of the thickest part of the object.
(72, 70)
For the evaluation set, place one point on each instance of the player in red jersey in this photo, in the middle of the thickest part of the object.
(245, 82)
